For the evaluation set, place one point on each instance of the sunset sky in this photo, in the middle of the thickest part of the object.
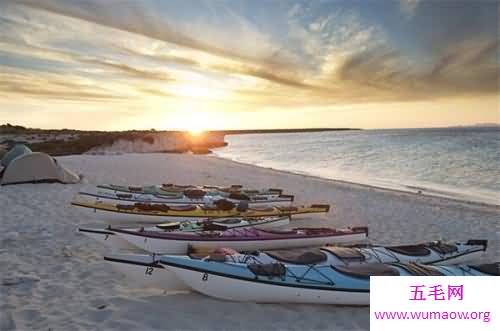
(199, 65)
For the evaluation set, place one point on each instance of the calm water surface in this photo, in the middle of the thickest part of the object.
(462, 163)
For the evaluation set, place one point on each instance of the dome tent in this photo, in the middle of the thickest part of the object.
(17, 150)
(37, 168)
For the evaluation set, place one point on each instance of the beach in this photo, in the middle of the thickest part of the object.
(53, 278)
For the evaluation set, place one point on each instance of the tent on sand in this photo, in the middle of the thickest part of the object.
(17, 150)
(37, 168)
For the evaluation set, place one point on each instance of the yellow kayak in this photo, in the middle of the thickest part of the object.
(156, 213)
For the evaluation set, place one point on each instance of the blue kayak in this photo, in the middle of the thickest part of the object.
(280, 283)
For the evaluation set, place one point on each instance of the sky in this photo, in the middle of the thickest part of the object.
(201, 65)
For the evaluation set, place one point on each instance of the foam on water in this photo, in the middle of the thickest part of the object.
(460, 163)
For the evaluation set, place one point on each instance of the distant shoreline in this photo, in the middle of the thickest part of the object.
(261, 131)
(17, 129)
(71, 142)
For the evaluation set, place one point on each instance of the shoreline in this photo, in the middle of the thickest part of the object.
(367, 186)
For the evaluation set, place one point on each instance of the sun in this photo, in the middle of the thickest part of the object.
(196, 131)
(195, 122)
(196, 109)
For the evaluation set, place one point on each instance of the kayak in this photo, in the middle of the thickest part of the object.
(434, 252)
(173, 189)
(318, 284)
(160, 213)
(147, 270)
(108, 238)
(238, 239)
(185, 197)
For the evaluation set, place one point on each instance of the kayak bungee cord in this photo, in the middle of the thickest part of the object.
(312, 267)
(376, 255)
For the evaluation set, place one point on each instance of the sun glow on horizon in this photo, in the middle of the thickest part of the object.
(198, 108)
(196, 132)
(194, 121)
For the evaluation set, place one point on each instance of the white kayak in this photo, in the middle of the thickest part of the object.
(109, 238)
(239, 238)
(147, 270)
(113, 197)
(314, 284)
(174, 189)
(435, 252)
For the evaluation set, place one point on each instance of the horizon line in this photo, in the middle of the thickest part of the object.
(267, 130)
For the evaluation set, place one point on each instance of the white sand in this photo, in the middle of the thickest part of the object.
(53, 278)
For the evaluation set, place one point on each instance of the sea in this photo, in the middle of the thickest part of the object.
(460, 163)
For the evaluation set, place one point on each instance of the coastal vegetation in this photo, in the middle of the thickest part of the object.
(70, 142)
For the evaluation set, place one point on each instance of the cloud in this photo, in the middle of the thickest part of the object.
(158, 56)
(156, 92)
(65, 58)
(53, 87)
(135, 18)
(276, 77)
(128, 70)
(409, 7)
(375, 67)
(384, 74)
(467, 68)
(316, 55)
(263, 61)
